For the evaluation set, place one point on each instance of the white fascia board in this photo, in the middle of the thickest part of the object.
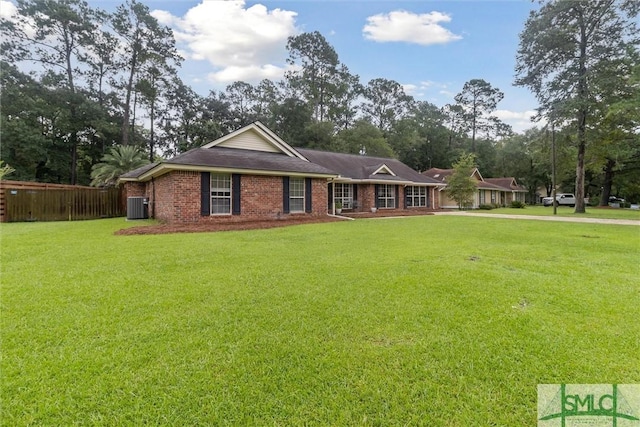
(278, 142)
(384, 168)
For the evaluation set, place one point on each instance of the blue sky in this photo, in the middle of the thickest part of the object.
(430, 47)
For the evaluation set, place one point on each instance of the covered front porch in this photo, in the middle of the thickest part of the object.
(349, 197)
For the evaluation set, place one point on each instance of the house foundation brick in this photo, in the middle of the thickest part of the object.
(175, 198)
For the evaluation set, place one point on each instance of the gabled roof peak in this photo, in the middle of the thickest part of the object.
(255, 137)
(379, 169)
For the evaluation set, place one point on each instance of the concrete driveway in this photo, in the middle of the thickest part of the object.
(546, 218)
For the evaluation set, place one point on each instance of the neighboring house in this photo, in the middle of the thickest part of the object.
(491, 191)
(513, 192)
(252, 174)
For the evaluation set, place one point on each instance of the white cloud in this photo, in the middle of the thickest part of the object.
(240, 43)
(427, 90)
(246, 73)
(519, 120)
(403, 26)
(9, 12)
(7, 9)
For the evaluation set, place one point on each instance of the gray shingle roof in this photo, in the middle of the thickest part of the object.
(358, 167)
(508, 183)
(232, 158)
(139, 171)
(247, 159)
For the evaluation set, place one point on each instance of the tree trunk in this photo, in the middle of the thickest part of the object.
(152, 118)
(69, 43)
(127, 102)
(582, 121)
(580, 205)
(473, 130)
(608, 182)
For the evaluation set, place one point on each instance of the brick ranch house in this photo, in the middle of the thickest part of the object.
(252, 174)
(496, 191)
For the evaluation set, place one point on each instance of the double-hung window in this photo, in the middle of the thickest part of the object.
(416, 197)
(386, 196)
(343, 193)
(296, 194)
(220, 194)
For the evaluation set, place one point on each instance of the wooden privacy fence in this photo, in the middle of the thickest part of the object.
(33, 201)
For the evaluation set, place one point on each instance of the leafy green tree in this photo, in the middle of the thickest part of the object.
(567, 50)
(154, 86)
(315, 79)
(184, 123)
(616, 130)
(24, 117)
(420, 139)
(385, 103)
(267, 95)
(343, 109)
(118, 161)
(318, 136)
(242, 99)
(143, 39)
(291, 119)
(55, 35)
(454, 120)
(365, 139)
(477, 100)
(460, 184)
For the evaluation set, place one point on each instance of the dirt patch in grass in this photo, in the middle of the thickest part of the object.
(221, 226)
(207, 227)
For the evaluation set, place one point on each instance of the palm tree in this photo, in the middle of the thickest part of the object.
(118, 161)
(5, 170)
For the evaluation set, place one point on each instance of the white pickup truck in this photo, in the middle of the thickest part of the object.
(562, 199)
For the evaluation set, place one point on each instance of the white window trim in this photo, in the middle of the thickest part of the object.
(418, 196)
(386, 199)
(302, 197)
(347, 201)
(220, 190)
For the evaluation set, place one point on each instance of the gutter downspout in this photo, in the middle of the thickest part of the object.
(153, 201)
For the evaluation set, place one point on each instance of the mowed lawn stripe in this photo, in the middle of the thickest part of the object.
(427, 320)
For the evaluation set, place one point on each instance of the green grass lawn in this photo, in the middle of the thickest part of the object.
(591, 212)
(435, 320)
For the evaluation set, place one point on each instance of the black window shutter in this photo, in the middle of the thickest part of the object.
(330, 197)
(235, 197)
(205, 194)
(355, 191)
(375, 196)
(397, 201)
(307, 195)
(285, 194)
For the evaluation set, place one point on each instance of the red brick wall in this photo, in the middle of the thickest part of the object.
(135, 189)
(177, 198)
